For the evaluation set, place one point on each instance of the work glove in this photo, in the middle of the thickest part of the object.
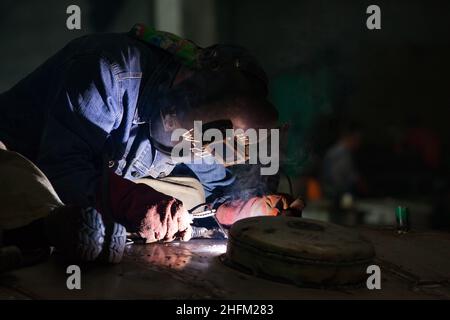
(153, 215)
(269, 205)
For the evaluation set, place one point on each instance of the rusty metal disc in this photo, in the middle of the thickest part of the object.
(300, 251)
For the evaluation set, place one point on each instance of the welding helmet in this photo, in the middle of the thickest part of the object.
(194, 57)
(219, 70)
(223, 103)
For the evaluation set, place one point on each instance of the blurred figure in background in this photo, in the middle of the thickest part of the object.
(340, 177)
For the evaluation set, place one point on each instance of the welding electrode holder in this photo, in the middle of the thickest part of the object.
(200, 232)
(202, 214)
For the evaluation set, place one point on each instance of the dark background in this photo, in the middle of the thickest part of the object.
(385, 80)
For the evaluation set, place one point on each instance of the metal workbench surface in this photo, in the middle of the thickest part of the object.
(413, 266)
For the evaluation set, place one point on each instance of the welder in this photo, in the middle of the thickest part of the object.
(97, 117)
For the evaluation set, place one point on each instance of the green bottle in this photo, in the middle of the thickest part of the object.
(402, 217)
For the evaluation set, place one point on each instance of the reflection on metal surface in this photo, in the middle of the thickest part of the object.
(160, 256)
(193, 270)
(216, 249)
(178, 255)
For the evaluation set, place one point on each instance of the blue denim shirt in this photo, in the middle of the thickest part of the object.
(95, 97)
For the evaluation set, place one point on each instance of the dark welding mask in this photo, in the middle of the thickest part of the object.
(211, 64)
(225, 145)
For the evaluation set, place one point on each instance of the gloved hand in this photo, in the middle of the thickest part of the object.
(270, 205)
(147, 212)
(166, 220)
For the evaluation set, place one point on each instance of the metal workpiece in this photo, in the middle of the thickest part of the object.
(194, 270)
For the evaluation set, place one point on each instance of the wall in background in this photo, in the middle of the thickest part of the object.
(382, 76)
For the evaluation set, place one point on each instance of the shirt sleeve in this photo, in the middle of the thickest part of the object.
(84, 112)
(215, 178)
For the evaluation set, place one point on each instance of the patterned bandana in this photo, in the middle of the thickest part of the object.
(186, 51)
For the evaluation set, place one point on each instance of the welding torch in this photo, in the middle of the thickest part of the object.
(200, 232)
(202, 214)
